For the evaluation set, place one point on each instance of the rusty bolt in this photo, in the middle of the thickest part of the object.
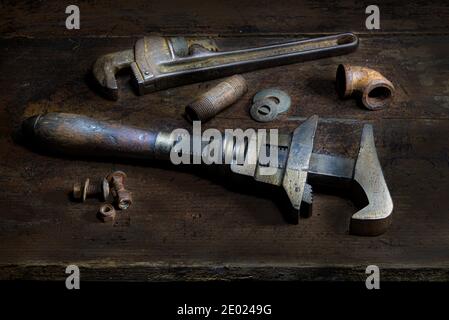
(107, 212)
(123, 196)
(217, 99)
(81, 191)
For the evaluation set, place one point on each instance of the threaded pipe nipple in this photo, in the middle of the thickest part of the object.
(217, 99)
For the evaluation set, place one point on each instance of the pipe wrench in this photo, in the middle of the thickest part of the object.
(159, 63)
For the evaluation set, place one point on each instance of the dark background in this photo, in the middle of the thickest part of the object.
(185, 226)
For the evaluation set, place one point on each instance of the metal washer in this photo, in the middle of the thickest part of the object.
(284, 99)
(259, 116)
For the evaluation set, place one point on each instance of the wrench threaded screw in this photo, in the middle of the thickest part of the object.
(217, 99)
(123, 196)
(81, 191)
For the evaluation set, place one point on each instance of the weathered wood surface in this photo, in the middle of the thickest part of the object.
(187, 225)
(140, 17)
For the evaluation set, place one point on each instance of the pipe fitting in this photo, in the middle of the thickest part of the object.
(87, 189)
(217, 99)
(375, 90)
(123, 196)
(106, 213)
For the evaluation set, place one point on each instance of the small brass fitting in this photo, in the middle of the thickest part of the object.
(376, 91)
(217, 99)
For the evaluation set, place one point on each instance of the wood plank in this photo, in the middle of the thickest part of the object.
(186, 225)
(135, 18)
(182, 219)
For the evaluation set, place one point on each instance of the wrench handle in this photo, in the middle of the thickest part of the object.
(80, 135)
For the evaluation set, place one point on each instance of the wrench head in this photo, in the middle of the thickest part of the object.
(107, 66)
(374, 218)
(363, 182)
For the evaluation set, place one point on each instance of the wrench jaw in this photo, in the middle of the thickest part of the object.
(150, 53)
(107, 66)
(290, 171)
(162, 63)
(296, 172)
(361, 180)
(299, 169)
(374, 218)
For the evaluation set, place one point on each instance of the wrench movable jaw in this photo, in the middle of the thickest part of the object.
(295, 176)
(159, 63)
(364, 181)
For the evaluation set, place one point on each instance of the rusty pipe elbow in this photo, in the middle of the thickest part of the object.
(375, 90)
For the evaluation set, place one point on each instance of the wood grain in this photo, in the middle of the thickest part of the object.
(199, 226)
(139, 17)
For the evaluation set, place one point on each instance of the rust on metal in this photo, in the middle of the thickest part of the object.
(159, 63)
(106, 212)
(375, 90)
(217, 99)
(122, 196)
(106, 67)
(296, 167)
(87, 189)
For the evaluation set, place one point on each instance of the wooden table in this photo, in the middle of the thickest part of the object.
(186, 226)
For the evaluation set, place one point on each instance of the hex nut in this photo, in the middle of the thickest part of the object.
(106, 213)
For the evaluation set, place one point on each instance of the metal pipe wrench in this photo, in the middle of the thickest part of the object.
(164, 62)
(298, 168)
